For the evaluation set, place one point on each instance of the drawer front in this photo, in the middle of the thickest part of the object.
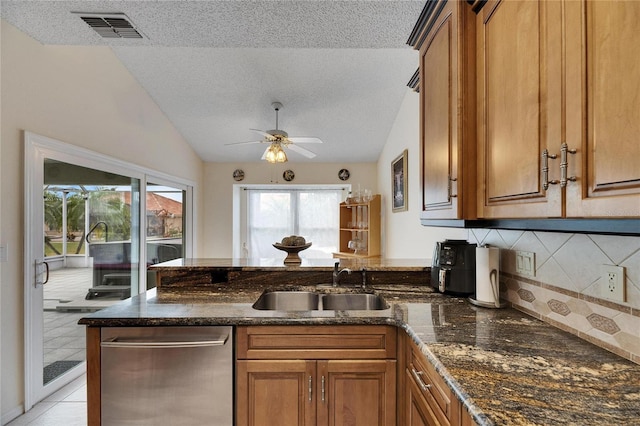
(316, 342)
(418, 411)
(435, 391)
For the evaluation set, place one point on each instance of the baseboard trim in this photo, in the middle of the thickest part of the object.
(12, 414)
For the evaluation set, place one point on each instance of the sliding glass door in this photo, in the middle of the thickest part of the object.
(90, 246)
(166, 226)
(93, 226)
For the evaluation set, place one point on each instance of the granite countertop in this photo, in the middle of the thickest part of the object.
(506, 367)
(372, 264)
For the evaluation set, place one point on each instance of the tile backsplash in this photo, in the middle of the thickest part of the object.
(566, 288)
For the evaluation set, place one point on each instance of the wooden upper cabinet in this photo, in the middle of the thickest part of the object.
(529, 109)
(560, 76)
(519, 107)
(603, 108)
(447, 111)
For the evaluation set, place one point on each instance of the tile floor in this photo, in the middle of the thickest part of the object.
(63, 305)
(67, 407)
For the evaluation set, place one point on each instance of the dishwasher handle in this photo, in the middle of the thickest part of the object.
(155, 343)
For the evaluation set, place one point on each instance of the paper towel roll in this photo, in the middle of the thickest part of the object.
(487, 261)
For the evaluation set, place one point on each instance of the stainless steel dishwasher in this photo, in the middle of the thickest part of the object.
(167, 376)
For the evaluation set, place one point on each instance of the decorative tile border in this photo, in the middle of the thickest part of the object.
(606, 324)
(559, 307)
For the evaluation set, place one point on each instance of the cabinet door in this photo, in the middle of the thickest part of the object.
(356, 392)
(275, 393)
(447, 117)
(519, 107)
(603, 108)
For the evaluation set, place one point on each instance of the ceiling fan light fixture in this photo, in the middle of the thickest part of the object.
(275, 154)
(278, 140)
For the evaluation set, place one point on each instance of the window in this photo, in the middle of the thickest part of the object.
(275, 213)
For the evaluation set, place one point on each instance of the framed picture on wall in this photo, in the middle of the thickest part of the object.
(399, 183)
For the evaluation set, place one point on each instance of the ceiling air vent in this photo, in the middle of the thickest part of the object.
(112, 25)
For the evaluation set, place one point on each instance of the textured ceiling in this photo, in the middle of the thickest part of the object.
(214, 67)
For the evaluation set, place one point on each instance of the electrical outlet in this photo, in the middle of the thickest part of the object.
(613, 283)
(526, 263)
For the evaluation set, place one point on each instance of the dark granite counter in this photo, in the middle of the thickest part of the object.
(372, 264)
(506, 367)
(182, 276)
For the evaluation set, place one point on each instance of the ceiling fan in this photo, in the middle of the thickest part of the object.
(278, 140)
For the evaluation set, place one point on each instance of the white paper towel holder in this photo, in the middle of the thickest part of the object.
(473, 301)
(490, 281)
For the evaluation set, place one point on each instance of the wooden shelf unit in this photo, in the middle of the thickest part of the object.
(349, 229)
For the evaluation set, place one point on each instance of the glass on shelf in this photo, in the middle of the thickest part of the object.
(357, 195)
(354, 245)
(349, 199)
(364, 222)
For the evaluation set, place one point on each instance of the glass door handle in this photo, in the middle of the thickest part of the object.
(39, 263)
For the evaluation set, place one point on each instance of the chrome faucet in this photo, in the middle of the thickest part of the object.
(337, 272)
(364, 278)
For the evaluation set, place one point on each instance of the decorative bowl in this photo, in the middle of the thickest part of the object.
(292, 252)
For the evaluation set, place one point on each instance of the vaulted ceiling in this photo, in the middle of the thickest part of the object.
(340, 68)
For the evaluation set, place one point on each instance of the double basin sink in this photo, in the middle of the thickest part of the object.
(314, 301)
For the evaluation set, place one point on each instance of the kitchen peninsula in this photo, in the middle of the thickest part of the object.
(487, 366)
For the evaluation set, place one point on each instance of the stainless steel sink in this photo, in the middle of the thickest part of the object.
(288, 301)
(311, 301)
(346, 302)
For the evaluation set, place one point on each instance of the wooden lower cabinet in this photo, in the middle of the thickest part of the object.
(427, 398)
(301, 392)
(275, 393)
(356, 392)
(417, 410)
(308, 390)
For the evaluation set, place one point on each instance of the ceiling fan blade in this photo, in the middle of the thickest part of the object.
(300, 150)
(303, 139)
(243, 143)
(264, 156)
(263, 133)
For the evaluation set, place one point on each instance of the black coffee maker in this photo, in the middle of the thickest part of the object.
(453, 269)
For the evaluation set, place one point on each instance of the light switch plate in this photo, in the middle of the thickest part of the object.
(526, 263)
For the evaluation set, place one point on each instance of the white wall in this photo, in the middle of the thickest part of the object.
(85, 97)
(2, 247)
(403, 235)
(218, 192)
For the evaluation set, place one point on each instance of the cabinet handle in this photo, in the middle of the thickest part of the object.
(564, 164)
(310, 388)
(449, 188)
(323, 389)
(545, 169)
(418, 376)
